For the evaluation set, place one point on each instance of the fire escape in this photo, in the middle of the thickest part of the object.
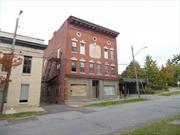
(51, 80)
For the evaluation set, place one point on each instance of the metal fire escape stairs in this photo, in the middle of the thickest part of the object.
(52, 74)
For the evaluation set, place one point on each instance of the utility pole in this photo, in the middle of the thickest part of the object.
(135, 72)
(4, 94)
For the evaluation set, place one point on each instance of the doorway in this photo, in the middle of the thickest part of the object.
(95, 88)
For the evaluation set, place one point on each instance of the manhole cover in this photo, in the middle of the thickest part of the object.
(175, 122)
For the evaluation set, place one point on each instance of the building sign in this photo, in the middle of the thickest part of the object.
(95, 51)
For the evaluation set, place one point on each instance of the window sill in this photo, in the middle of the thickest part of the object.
(92, 73)
(82, 73)
(73, 71)
(74, 52)
(26, 74)
(23, 103)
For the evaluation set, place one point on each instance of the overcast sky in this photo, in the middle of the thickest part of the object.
(155, 23)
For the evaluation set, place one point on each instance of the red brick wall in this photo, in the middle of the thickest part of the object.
(62, 39)
(87, 36)
(59, 40)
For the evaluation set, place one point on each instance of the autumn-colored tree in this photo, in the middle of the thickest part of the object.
(7, 61)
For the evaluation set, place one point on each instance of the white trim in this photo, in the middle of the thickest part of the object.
(82, 60)
(98, 62)
(91, 61)
(106, 63)
(113, 65)
(94, 38)
(109, 42)
(105, 47)
(78, 34)
(82, 41)
(74, 39)
(73, 58)
(112, 49)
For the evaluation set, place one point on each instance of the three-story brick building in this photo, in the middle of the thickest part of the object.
(80, 63)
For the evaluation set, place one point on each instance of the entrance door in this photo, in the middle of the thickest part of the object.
(95, 88)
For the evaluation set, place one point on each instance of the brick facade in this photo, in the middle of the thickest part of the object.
(96, 39)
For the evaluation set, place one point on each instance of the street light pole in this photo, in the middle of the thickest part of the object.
(4, 94)
(135, 72)
(135, 68)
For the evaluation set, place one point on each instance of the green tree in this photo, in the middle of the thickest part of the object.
(171, 72)
(129, 72)
(153, 73)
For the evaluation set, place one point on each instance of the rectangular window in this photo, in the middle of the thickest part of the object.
(112, 54)
(78, 90)
(74, 47)
(82, 48)
(82, 66)
(106, 53)
(109, 90)
(27, 64)
(91, 67)
(73, 66)
(58, 53)
(112, 70)
(24, 93)
(106, 70)
(98, 69)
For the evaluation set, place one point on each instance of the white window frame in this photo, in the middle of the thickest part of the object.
(82, 48)
(105, 53)
(74, 45)
(81, 62)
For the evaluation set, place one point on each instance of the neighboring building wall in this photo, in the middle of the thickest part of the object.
(32, 79)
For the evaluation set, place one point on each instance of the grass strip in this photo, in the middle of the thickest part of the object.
(163, 127)
(109, 103)
(170, 93)
(20, 115)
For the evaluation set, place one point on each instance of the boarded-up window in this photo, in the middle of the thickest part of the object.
(109, 90)
(78, 90)
(95, 51)
(24, 93)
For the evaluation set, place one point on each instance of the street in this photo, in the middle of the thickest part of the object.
(96, 121)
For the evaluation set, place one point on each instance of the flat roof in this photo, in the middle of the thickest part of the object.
(91, 26)
(31, 42)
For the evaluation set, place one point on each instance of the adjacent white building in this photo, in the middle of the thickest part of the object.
(24, 89)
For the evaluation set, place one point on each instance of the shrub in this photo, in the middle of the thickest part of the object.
(147, 90)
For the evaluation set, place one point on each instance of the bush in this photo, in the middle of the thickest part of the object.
(147, 90)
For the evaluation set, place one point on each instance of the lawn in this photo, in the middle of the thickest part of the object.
(109, 103)
(173, 93)
(163, 127)
(20, 115)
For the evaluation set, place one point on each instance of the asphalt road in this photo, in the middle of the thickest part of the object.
(98, 121)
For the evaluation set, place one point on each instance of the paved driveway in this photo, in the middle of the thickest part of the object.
(101, 121)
